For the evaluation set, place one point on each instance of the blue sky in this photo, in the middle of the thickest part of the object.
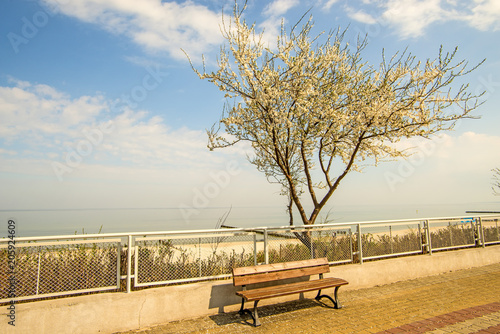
(99, 107)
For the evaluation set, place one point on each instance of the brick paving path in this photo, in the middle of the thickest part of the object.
(470, 320)
(465, 301)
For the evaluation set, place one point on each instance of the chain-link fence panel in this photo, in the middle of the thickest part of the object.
(23, 275)
(288, 245)
(307, 243)
(452, 233)
(334, 244)
(43, 269)
(491, 230)
(379, 241)
(170, 259)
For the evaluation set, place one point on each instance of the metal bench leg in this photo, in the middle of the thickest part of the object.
(254, 314)
(242, 311)
(334, 300)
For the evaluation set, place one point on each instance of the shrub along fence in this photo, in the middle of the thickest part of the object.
(73, 264)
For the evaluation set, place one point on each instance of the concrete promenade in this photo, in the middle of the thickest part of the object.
(464, 301)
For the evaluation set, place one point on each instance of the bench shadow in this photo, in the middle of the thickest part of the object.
(222, 319)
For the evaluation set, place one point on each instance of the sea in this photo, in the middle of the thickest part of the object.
(56, 222)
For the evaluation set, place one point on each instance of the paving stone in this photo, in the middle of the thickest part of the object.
(465, 301)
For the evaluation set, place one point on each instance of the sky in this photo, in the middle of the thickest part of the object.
(99, 107)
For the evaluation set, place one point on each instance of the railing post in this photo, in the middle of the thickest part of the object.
(420, 237)
(312, 243)
(119, 264)
(135, 274)
(360, 249)
(199, 256)
(255, 249)
(390, 239)
(476, 232)
(351, 245)
(498, 230)
(38, 273)
(481, 234)
(428, 237)
(129, 262)
(266, 248)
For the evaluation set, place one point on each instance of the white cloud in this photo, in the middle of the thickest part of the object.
(279, 7)
(39, 122)
(485, 15)
(7, 152)
(274, 13)
(139, 162)
(329, 4)
(455, 153)
(361, 16)
(471, 152)
(156, 25)
(412, 18)
(447, 169)
(30, 111)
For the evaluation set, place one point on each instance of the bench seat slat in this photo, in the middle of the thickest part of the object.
(266, 268)
(279, 275)
(292, 288)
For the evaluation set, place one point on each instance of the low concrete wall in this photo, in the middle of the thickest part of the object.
(112, 312)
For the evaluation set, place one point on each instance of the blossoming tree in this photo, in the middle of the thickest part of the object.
(312, 109)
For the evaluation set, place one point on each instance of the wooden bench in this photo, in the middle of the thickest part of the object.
(278, 272)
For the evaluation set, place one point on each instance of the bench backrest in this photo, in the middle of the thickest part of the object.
(279, 271)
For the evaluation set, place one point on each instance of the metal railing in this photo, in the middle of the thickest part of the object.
(73, 264)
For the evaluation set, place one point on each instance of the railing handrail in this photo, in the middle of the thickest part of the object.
(232, 230)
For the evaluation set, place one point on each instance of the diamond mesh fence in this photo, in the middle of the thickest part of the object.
(72, 265)
(187, 258)
(390, 240)
(51, 269)
(300, 244)
(491, 230)
(452, 233)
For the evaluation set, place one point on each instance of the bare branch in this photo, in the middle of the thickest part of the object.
(496, 181)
